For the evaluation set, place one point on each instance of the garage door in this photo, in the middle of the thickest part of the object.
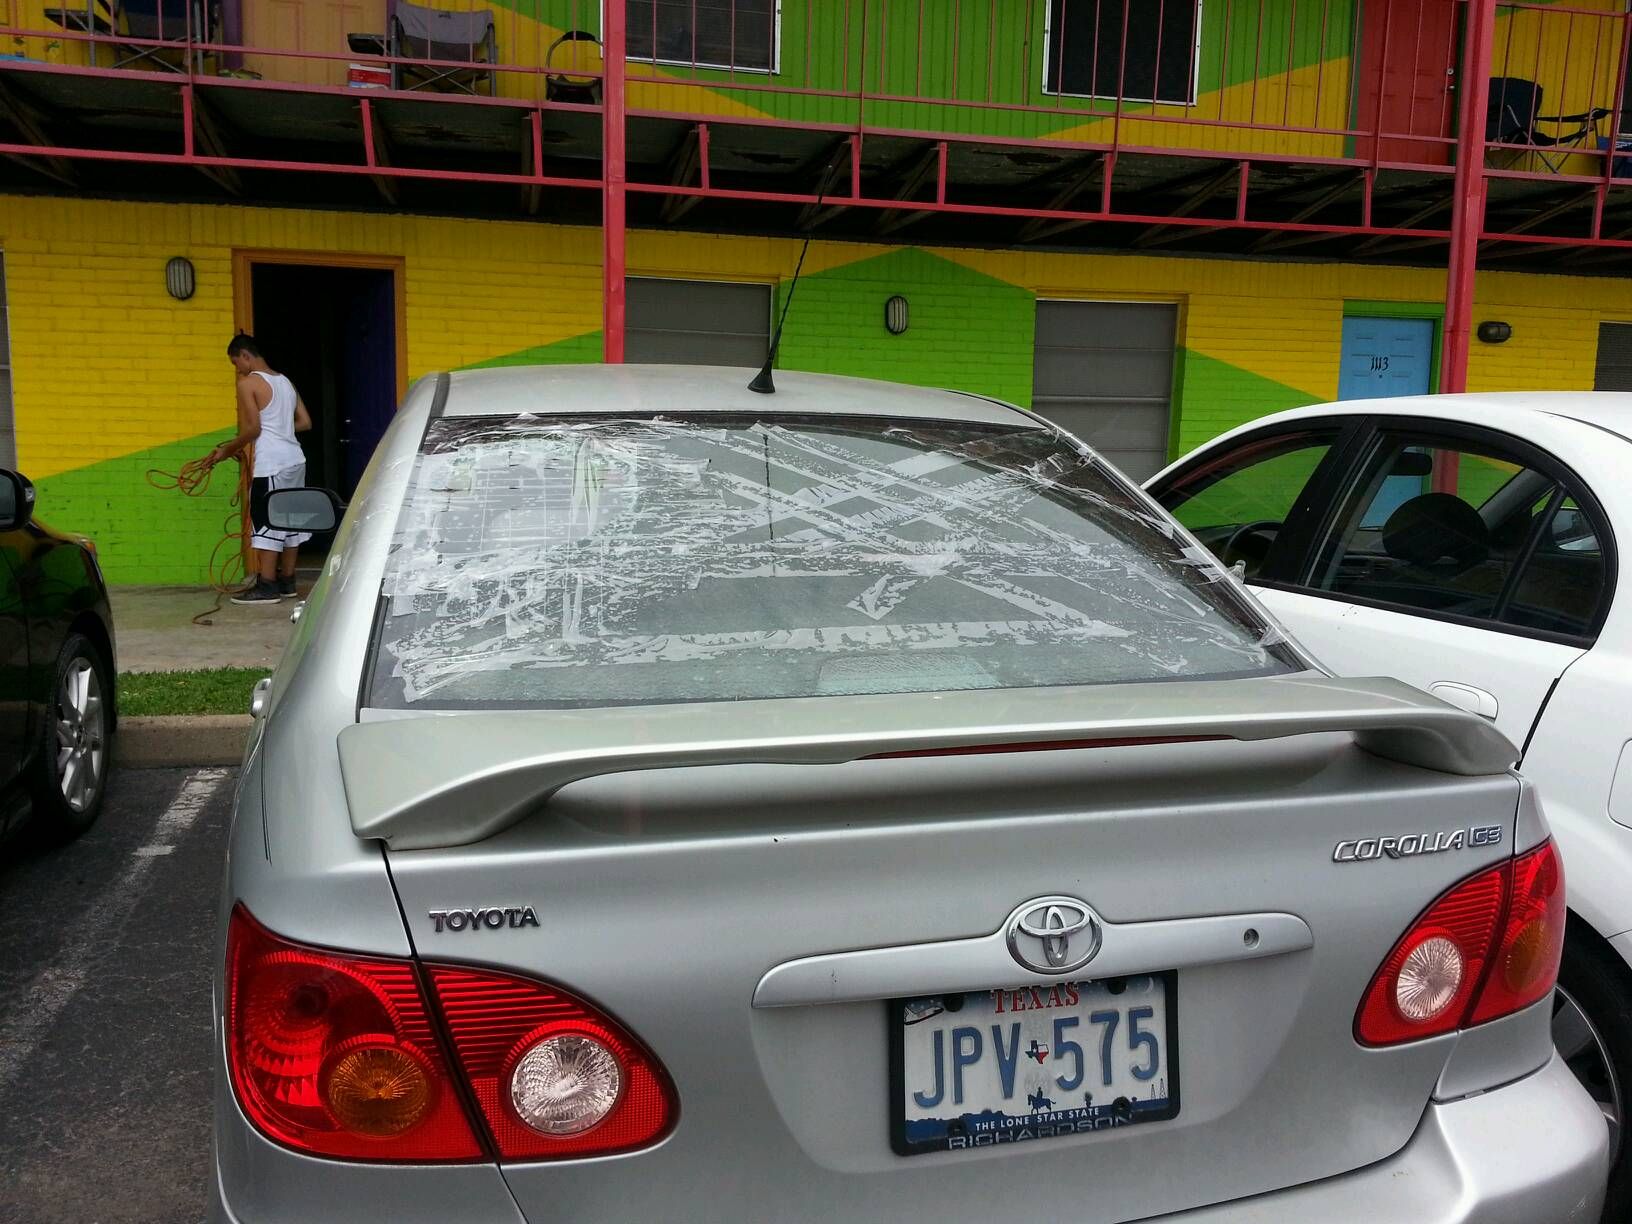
(1104, 371)
(697, 322)
(1614, 369)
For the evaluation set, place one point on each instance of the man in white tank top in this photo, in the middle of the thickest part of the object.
(270, 414)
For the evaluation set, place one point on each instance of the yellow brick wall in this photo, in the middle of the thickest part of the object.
(1283, 321)
(1555, 329)
(95, 337)
(112, 376)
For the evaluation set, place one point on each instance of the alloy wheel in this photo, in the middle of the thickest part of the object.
(81, 734)
(1581, 1046)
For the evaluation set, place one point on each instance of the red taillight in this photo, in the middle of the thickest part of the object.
(554, 1077)
(1526, 962)
(336, 1054)
(339, 1055)
(1453, 936)
(1487, 948)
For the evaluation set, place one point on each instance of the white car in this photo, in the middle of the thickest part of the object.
(1467, 545)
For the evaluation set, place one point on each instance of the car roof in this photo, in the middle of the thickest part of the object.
(1608, 410)
(641, 389)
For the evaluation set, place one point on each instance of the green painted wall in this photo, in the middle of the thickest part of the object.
(974, 54)
(1212, 396)
(967, 330)
(144, 535)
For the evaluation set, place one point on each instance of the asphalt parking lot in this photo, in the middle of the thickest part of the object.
(105, 1007)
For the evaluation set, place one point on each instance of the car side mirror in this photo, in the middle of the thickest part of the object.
(313, 510)
(16, 500)
(1570, 529)
(1412, 463)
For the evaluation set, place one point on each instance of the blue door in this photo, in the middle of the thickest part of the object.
(370, 371)
(1383, 358)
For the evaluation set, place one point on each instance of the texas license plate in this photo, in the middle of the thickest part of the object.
(1036, 1062)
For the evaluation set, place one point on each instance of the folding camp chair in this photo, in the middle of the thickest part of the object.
(1514, 113)
(424, 33)
(152, 21)
(162, 21)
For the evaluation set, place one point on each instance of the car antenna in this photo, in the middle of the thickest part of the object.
(763, 383)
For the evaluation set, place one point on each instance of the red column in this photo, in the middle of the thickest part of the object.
(1468, 212)
(613, 228)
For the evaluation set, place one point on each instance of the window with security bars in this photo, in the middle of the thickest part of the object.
(730, 34)
(1137, 50)
(8, 430)
(1614, 369)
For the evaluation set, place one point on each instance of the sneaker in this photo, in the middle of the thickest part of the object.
(286, 588)
(260, 593)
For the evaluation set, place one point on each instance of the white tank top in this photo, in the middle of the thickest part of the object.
(276, 449)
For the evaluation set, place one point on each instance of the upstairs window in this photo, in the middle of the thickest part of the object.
(727, 34)
(1086, 40)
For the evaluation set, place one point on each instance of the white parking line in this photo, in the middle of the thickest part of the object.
(36, 1008)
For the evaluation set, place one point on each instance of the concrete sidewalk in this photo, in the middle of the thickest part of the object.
(156, 632)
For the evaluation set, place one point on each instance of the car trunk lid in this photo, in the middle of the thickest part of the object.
(750, 921)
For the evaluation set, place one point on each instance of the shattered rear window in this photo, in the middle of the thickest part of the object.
(605, 561)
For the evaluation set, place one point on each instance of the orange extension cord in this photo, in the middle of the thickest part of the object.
(227, 574)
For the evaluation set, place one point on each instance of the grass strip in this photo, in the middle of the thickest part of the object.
(219, 690)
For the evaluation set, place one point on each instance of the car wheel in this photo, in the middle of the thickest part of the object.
(1592, 1029)
(71, 769)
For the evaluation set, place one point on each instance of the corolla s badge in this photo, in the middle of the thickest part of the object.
(1053, 935)
(1370, 849)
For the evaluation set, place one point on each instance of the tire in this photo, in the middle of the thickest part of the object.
(1595, 986)
(76, 744)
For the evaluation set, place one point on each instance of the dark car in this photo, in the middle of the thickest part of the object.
(57, 709)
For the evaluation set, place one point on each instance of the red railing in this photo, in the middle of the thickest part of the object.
(1282, 79)
(172, 43)
(1232, 76)
(1368, 86)
(1563, 99)
(1556, 115)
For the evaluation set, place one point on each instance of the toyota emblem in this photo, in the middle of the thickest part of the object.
(1053, 935)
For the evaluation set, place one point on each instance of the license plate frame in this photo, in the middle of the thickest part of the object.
(1102, 1117)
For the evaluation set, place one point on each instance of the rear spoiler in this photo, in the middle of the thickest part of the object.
(432, 780)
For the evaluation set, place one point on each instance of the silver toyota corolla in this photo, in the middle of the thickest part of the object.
(854, 803)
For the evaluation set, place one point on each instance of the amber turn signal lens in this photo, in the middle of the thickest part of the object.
(1528, 956)
(374, 1086)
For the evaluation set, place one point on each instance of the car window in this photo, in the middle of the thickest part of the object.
(1562, 584)
(602, 561)
(1435, 526)
(1237, 503)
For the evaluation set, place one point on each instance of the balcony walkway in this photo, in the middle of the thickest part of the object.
(1295, 158)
